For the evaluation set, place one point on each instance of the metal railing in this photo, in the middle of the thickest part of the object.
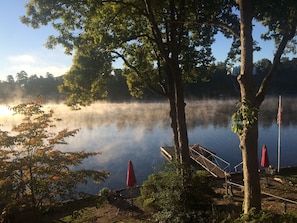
(239, 165)
(209, 157)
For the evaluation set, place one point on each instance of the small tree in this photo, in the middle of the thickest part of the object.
(34, 174)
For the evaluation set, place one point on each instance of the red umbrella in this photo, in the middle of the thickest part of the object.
(264, 158)
(131, 179)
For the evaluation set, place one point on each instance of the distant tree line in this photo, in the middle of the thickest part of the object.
(24, 86)
(217, 84)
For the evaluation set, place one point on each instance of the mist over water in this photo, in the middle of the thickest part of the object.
(135, 131)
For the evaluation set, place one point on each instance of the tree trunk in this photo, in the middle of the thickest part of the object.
(178, 119)
(177, 114)
(173, 117)
(172, 113)
(175, 71)
(249, 136)
(181, 120)
(251, 179)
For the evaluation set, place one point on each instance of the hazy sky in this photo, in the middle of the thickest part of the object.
(22, 48)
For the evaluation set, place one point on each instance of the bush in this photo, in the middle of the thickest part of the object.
(32, 173)
(104, 192)
(177, 200)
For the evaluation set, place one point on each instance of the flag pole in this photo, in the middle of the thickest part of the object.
(279, 128)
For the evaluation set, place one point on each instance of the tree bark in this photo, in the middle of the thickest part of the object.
(251, 179)
(251, 101)
(178, 116)
(175, 70)
(173, 117)
(181, 120)
(249, 136)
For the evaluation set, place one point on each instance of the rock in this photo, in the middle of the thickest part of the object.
(278, 180)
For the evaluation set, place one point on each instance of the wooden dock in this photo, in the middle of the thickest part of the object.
(204, 157)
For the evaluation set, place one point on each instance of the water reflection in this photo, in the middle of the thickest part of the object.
(137, 130)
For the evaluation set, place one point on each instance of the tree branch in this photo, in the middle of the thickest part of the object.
(164, 94)
(155, 30)
(276, 61)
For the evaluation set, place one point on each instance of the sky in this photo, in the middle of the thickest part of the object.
(22, 47)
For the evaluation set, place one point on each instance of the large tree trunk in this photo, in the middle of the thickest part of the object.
(181, 120)
(177, 114)
(251, 101)
(249, 136)
(249, 148)
(178, 119)
(174, 65)
(173, 117)
(172, 112)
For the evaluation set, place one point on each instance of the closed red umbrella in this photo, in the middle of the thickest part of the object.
(264, 158)
(131, 179)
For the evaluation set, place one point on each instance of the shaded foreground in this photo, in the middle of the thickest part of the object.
(122, 208)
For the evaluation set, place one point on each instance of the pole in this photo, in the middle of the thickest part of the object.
(279, 128)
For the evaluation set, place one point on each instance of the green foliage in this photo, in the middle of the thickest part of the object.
(156, 40)
(104, 192)
(175, 199)
(271, 14)
(244, 117)
(254, 216)
(32, 172)
(86, 81)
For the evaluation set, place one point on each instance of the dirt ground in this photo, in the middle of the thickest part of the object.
(276, 195)
(121, 211)
(111, 213)
(120, 208)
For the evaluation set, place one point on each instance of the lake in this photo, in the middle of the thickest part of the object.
(135, 131)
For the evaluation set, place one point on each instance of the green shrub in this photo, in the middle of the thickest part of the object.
(252, 217)
(104, 192)
(176, 199)
(265, 217)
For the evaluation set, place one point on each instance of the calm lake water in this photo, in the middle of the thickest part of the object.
(135, 131)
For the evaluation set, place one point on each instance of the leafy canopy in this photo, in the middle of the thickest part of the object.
(86, 81)
(150, 37)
